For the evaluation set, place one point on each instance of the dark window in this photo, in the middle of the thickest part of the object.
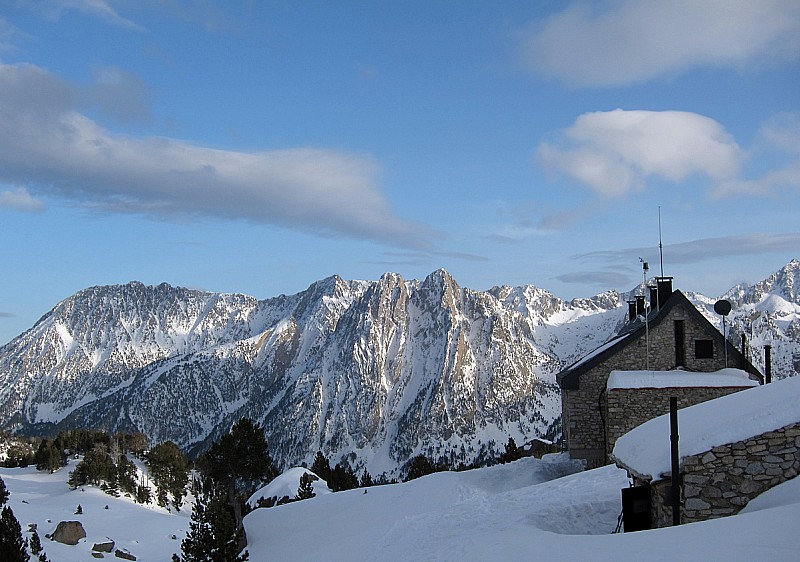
(704, 349)
(680, 348)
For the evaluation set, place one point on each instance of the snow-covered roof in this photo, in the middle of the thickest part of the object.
(645, 450)
(679, 379)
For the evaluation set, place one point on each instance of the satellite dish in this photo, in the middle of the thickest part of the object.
(723, 307)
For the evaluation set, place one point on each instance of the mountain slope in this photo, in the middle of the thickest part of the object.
(383, 369)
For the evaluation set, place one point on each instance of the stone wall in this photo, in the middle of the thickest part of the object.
(583, 410)
(628, 408)
(722, 481)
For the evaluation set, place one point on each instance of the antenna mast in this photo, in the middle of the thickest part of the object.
(660, 245)
(645, 269)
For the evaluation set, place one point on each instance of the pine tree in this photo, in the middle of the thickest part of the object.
(321, 467)
(36, 544)
(49, 457)
(512, 452)
(238, 464)
(213, 535)
(126, 475)
(12, 545)
(306, 489)
(3, 493)
(342, 477)
(421, 466)
(366, 480)
(169, 470)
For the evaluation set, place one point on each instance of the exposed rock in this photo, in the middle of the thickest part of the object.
(124, 554)
(107, 546)
(68, 532)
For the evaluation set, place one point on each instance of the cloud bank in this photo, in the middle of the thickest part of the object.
(47, 147)
(630, 41)
(696, 251)
(614, 152)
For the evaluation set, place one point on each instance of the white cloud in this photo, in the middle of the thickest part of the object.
(614, 152)
(20, 200)
(45, 143)
(778, 138)
(100, 9)
(622, 42)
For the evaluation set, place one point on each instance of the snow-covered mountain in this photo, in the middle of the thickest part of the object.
(383, 369)
(768, 313)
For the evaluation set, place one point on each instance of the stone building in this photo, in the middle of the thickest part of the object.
(668, 335)
(731, 450)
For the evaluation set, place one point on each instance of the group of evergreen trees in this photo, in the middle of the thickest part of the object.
(340, 477)
(106, 465)
(52, 454)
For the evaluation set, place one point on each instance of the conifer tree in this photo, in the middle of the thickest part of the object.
(306, 489)
(126, 475)
(321, 467)
(169, 470)
(49, 457)
(36, 547)
(238, 464)
(512, 452)
(213, 534)
(366, 480)
(3, 493)
(12, 545)
(35, 543)
(421, 466)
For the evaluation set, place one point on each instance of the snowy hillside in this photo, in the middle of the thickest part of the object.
(523, 510)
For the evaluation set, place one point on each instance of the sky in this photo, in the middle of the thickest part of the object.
(257, 147)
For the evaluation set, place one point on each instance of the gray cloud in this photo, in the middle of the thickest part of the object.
(119, 94)
(50, 148)
(630, 41)
(602, 279)
(7, 315)
(701, 250)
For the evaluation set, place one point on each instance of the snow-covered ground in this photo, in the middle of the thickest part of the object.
(529, 509)
(45, 499)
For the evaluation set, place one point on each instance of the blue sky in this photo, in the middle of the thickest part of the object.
(257, 147)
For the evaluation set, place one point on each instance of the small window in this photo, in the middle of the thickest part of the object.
(680, 352)
(704, 349)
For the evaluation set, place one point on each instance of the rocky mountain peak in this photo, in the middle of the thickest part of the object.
(385, 369)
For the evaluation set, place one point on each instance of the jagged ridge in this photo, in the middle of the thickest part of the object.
(382, 369)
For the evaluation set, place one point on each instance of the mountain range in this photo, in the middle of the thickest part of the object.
(372, 371)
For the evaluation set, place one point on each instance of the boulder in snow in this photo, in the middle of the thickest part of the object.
(68, 532)
(124, 554)
(106, 546)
